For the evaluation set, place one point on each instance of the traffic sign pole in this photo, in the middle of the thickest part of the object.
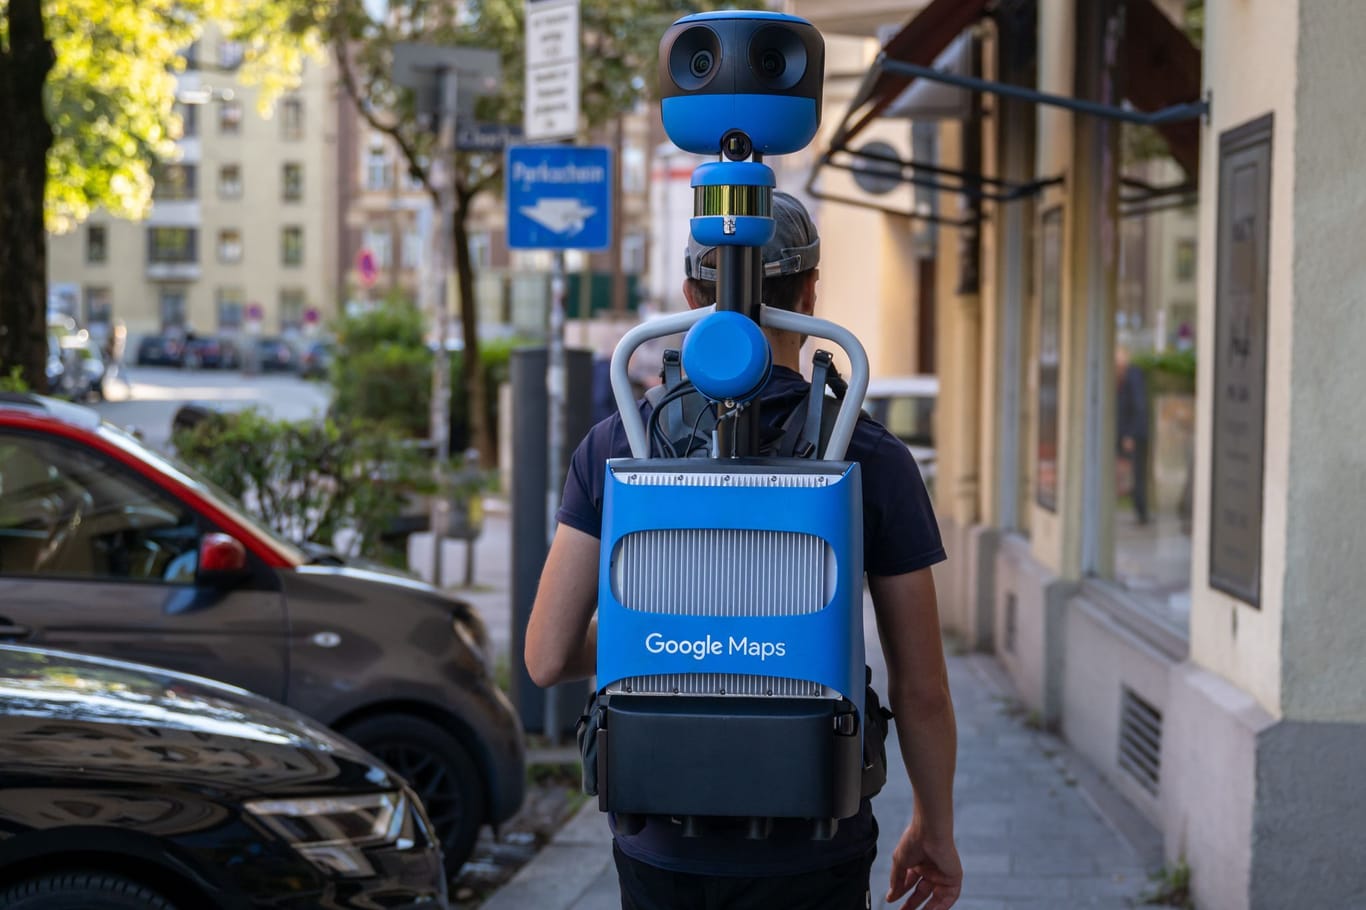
(442, 262)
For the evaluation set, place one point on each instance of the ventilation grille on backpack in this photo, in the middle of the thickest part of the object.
(721, 684)
(1140, 740)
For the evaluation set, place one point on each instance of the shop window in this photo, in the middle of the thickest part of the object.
(1154, 417)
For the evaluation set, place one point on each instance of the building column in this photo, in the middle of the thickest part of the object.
(1268, 719)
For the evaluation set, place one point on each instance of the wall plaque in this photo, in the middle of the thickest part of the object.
(1240, 305)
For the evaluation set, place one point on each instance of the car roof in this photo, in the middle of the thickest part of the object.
(42, 406)
(921, 385)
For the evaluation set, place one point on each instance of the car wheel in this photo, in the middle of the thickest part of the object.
(439, 768)
(87, 890)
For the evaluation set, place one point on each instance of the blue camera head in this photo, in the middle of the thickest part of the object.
(739, 81)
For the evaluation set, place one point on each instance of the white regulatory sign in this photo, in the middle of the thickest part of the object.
(551, 105)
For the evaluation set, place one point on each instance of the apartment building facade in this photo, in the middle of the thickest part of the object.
(240, 235)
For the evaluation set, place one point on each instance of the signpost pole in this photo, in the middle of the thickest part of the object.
(556, 384)
(442, 260)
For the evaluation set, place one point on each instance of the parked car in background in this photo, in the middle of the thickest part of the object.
(161, 351)
(110, 548)
(211, 352)
(84, 367)
(276, 355)
(316, 359)
(125, 787)
(905, 406)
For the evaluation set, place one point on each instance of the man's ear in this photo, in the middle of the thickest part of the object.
(694, 300)
(807, 304)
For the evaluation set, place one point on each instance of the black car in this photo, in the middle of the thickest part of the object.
(275, 355)
(211, 353)
(316, 360)
(109, 548)
(124, 787)
(161, 351)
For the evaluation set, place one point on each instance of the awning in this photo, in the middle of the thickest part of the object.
(1161, 75)
(924, 38)
(1162, 67)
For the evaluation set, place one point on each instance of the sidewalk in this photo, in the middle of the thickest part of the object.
(1030, 829)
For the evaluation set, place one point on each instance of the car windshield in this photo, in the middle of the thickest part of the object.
(205, 487)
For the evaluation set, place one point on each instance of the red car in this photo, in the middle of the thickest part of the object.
(109, 548)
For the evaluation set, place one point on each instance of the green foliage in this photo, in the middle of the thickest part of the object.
(383, 370)
(309, 480)
(1171, 887)
(1168, 371)
(13, 381)
(111, 94)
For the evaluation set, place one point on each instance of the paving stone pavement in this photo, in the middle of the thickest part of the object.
(1029, 824)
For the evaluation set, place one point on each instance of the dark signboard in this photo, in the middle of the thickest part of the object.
(1050, 357)
(486, 137)
(1240, 304)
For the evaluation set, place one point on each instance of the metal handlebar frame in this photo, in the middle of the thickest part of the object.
(784, 320)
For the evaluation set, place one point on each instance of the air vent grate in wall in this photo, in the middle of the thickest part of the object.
(1140, 740)
(1010, 622)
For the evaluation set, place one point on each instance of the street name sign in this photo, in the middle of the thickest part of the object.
(559, 197)
(486, 137)
(551, 105)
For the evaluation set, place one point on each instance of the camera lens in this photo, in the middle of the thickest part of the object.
(690, 58)
(701, 63)
(772, 63)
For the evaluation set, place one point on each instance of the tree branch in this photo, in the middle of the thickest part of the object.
(348, 78)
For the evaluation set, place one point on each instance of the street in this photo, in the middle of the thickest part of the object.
(150, 398)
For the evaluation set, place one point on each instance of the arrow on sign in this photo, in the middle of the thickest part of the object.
(563, 216)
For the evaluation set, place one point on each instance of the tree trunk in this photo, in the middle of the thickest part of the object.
(471, 365)
(23, 181)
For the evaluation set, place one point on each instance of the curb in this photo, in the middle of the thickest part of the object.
(565, 869)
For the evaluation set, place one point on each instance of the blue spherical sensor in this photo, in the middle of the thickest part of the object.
(727, 357)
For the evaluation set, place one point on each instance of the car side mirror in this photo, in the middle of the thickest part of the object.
(222, 560)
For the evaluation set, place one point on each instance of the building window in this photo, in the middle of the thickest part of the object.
(378, 174)
(172, 245)
(172, 307)
(230, 181)
(229, 118)
(481, 251)
(379, 241)
(191, 56)
(229, 55)
(292, 118)
(633, 254)
(231, 306)
(189, 119)
(292, 245)
(412, 248)
(633, 176)
(96, 244)
(230, 246)
(99, 310)
(291, 310)
(1185, 259)
(174, 182)
(292, 181)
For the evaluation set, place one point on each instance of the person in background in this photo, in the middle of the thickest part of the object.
(1131, 426)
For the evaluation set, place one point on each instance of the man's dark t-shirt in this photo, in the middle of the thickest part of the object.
(900, 535)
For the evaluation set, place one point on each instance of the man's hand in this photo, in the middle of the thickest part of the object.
(927, 869)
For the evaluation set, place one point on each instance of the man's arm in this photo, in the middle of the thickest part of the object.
(561, 637)
(925, 862)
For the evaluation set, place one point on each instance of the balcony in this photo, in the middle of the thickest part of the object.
(173, 271)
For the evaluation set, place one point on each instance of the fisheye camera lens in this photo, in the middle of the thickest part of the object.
(701, 63)
(772, 63)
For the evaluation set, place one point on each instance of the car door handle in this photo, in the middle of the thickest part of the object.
(13, 630)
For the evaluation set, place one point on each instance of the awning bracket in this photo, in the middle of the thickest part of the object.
(1190, 110)
(972, 185)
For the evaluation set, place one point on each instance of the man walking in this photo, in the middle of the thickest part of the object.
(660, 869)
